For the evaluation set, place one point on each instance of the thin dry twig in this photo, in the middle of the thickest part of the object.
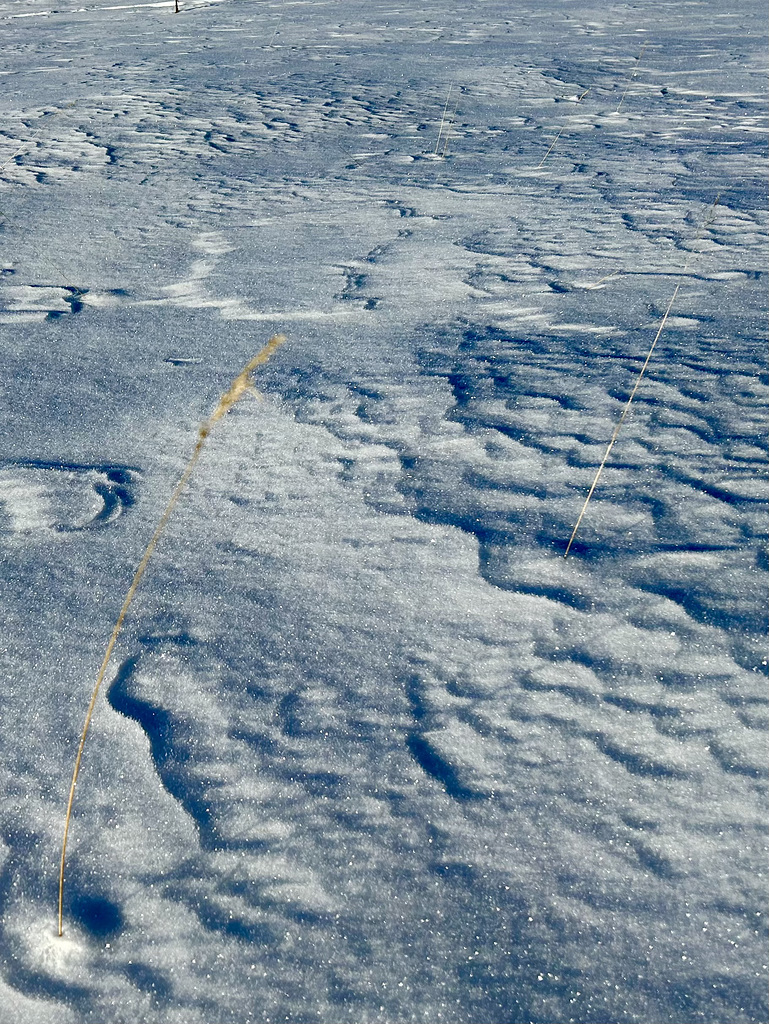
(277, 24)
(18, 152)
(630, 80)
(242, 384)
(560, 133)
(33, 137)
(708, 219)
(443, 120)
(449, 128)
(606, 277)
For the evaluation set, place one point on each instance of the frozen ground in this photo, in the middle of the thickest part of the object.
(371, 749)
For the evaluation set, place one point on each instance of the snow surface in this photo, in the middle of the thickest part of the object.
(371, 749)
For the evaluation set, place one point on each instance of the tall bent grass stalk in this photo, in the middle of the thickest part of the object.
(707, 220)
(242, 384)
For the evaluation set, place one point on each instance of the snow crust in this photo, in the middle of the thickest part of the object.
(371, 749)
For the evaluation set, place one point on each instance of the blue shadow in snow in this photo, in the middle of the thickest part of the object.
(98, 916)
(169, 750)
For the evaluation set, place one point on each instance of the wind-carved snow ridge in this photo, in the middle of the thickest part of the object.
(41, 150)
(42, 496)
(618, 669)
(200, 752)
(526, 434)
(19, 303)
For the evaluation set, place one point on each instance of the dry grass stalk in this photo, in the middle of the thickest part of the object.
(13, 156)
(625, 411)
(31, 140)
(639, 378)
(560, 133)
(449, 127)
(601, 280)
(630, 80)
(443, 120)
(277, 24)
(242, 384)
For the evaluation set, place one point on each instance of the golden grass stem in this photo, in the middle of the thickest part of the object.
(449, 127)
(560, 133)
(606, 277)
(13, 156)
(632, 77)
(639, 378)
(625, 411)
(242, 384)
(32, 139)
(277, 24)
(443, 120)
